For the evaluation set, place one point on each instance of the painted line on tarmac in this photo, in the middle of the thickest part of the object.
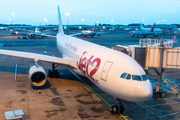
(148, 110)
(170, 114)
(15, 72)
(90, 88)
(178, 97)
(162, 104)
(3, 38)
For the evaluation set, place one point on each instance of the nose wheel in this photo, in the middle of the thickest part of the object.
(117, 109)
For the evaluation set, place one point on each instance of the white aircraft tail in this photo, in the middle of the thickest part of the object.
(37, 30)
(60, 28)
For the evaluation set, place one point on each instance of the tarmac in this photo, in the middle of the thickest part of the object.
(72, 97)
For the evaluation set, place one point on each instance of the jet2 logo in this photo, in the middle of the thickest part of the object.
(84, 63)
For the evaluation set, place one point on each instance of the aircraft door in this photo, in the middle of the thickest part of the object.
(105, 70)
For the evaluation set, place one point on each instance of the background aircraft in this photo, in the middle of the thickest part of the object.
(36, 33)
(86, 33)
(176, 30)
(143, 33)
(156, 30)
(3, 28)
(113, 29)
(127, 29)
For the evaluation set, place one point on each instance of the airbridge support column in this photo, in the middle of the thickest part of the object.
(160, 70)
(159, 91)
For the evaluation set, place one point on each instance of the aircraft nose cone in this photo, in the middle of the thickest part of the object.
(143, 93)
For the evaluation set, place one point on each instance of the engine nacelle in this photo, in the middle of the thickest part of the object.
(37, 75)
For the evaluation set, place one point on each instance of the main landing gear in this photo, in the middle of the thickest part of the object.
(117, 109)
(53, 73)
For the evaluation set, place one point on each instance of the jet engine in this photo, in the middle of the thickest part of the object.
(37, 75)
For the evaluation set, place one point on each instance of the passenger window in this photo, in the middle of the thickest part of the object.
(123, 75)
(144, 77)
(136, 77)
(128, 76)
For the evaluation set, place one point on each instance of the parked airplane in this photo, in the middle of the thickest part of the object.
(114, 72)
(113, 29)
(127, 29)
(35, 34)
(143, 33)
(86, 33)
(156, 30)
(3, 28)
(31, 34)
(176, 30)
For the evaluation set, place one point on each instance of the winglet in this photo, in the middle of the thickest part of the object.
(60, 28)
(94, 28)
(152, 29)
(175, 38)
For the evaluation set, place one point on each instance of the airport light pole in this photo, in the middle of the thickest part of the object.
(82, 21)
(10, 20)
(112, 21)
(45, 21)
(67, 14)
(97, 22)
(164, 21)
(12, 13)
(143, 21)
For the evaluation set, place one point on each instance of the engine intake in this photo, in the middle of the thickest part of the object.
(37, 76)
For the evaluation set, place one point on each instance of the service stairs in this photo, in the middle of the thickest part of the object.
(172, 85)
(169, 82)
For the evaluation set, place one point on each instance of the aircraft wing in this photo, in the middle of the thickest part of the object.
(44, 35)
(36, 56)
(76, 34)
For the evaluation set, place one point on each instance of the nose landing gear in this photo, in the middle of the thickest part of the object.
(117, 109)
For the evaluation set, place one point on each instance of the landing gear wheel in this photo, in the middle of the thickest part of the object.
(50, 74)
(162, 94)
(114, 109)
(56, 74)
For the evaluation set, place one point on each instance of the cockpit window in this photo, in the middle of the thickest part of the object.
(123, 75)
(136, 77)
(144, 77)
(128, 76)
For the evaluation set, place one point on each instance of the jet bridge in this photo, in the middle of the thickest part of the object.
(157, 54)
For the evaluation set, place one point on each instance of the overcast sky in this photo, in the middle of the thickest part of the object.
(121, 11)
